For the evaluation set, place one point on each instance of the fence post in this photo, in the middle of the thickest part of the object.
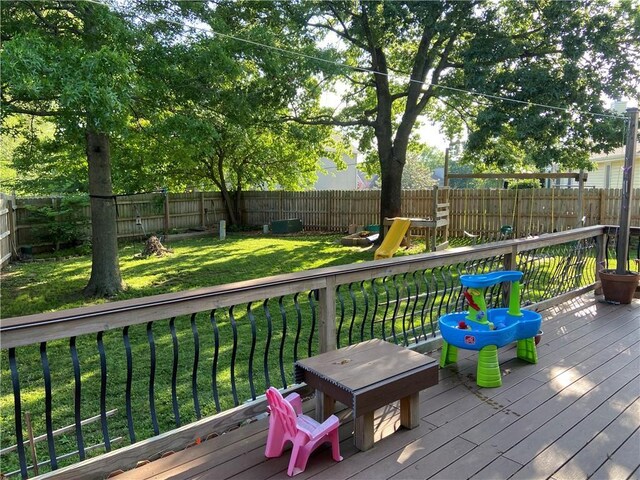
(13, 226)
(202, 212)
(166, 212)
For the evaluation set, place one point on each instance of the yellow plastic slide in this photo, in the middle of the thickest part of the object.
(393, 238)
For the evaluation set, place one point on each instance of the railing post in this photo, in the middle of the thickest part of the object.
(510, 259)
(510, 263)
(327, 316)
(601, 254)
(327, 335)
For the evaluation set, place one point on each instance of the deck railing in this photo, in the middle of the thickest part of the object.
(181, 366)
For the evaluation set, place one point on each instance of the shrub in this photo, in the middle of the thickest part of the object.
(63, 223)
(524, 183)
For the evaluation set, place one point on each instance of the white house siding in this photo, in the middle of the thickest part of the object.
(335, 179)
(615, 159)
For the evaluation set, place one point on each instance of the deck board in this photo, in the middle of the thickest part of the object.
(573, 415)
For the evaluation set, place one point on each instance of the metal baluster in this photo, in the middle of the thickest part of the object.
(267, 315)
(444, 292)
(424, 304)
(234, 352)
(196, 360)
(254, 335)
(452, 286)
(465, 268)
(77, 396)
(395, 310)
(298, 328)
(152, 378)
(386, 308)
(341, 301)
(407, 289)
(434, 297)
(374, 287)
(103, 393)
(312, 296)
(127, 348)
(365, 299)
(534, 268)
(46, 373)
(174, 372)
(416, 336)
(283, 338)
(353, 313)
(214, 363)
(556, 279)
(17, 412)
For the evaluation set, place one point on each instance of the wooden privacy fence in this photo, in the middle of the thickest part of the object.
(7, 229)
(479, 212)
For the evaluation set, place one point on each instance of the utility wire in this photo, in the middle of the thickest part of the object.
(366, 70)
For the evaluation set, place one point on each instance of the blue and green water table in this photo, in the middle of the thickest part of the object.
(486, 330)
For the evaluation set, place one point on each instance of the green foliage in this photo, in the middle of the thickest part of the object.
(533, 53)
(219, 104)
(62, 223)
(524, 184)
(75, 66)
(420, 167)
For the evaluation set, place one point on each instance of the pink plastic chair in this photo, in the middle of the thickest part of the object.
(287, 423)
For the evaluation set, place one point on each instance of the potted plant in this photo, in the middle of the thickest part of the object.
(619, 285)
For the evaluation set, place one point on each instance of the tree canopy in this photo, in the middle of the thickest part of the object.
(487, 66)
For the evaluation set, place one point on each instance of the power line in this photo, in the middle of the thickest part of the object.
(368, 70)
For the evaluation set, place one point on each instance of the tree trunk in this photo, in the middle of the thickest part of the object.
(105, 278)
(237, 203)
(227, 200)
(392, 165)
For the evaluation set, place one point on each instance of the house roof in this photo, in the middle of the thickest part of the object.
(616, 154)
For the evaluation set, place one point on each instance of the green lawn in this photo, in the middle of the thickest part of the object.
(36, 287)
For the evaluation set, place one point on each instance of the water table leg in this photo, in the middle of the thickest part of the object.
(488, 370)
(449, 354)
(527, 350)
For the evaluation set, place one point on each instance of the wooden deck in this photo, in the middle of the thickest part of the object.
(574, 415)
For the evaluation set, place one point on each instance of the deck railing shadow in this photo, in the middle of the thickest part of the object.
(179, 367)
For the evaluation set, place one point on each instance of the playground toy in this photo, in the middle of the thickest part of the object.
(486, 330)
(393, 238)
(398, 228)
(287, 423)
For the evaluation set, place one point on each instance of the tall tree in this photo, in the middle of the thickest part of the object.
(72, 63)
(409, 59)
(217, 116)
